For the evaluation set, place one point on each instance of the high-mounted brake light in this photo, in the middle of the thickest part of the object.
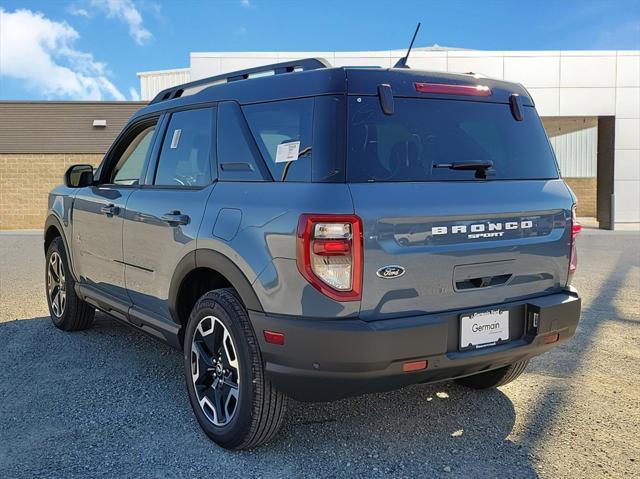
(444, 88)
(329, 254)
(573, 254)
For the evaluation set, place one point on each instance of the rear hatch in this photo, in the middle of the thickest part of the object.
(461, 204)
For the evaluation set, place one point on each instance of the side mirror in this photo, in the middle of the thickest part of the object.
(79, 176)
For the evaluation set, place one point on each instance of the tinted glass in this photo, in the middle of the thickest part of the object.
(329, 139)
(283, 132)
(185, 157)
(239, 158)
(422, 133)
(129, 166)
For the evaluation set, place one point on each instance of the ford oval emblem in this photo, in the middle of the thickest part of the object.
(391, 271)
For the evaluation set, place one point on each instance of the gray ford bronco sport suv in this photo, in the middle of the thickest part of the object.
(312, 232)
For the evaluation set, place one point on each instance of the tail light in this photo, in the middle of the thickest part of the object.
(573, 255)
(329, 254)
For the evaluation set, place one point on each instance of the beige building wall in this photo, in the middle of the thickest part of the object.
(25, 182)
(586, 189)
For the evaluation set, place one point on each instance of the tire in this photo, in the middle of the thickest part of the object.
(495, 378)
(68, 312)
(234, 402)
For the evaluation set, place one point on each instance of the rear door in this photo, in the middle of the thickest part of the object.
(461, 240)
(98, 212)
(163, 216)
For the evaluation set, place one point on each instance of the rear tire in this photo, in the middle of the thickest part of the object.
(234, 402)
(495, 378)
(68, 312)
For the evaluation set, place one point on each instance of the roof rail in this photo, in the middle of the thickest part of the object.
(196, 86)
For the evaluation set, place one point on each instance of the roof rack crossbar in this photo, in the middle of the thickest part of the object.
(277, 68)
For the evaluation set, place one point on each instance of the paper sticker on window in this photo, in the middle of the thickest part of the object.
(176, 138)
(287, 152)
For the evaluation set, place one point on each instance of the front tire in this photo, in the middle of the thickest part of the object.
(495, 378)
(234, 402)
(68, 312)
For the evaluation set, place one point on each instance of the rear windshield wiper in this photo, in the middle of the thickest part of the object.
(480, 167)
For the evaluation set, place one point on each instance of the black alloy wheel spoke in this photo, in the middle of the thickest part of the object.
(209, 339)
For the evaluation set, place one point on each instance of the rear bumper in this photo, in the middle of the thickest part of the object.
(324, 360)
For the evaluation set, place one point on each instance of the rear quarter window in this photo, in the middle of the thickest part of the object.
(284, 127)
(312, 132)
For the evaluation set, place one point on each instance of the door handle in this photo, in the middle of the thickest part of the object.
(175, 218)
(110, 210)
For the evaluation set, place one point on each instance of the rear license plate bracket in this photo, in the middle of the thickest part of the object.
(483, 329)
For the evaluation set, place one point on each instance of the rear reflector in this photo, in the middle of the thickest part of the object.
(274, 337)
(552, 338)
(414, 366)
(443, 88)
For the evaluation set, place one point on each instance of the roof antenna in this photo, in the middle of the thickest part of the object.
(402, 63)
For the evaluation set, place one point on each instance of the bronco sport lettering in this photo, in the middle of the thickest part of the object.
(481, 227)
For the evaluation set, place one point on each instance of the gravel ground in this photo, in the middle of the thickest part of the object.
(110, 402)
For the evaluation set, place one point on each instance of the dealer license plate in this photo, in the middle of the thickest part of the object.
(484, 329)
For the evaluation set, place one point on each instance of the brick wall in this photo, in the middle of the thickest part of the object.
(586, 191)
(25, 181)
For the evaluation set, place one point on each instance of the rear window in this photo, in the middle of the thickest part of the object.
(422, 133)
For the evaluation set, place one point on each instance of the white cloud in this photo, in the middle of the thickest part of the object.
(133, 94)
(78, 12)
(246, 3)
(41, 52)
(125, 11)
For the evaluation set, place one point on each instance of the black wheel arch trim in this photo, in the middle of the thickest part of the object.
(206, 258)
(53, 221)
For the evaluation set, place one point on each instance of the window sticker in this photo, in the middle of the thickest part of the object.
(287, 152)
(176, 138)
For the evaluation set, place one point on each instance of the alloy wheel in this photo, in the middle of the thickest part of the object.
(215, 371)
(56, 284)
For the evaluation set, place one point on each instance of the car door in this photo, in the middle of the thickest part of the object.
(163, 216)
(98, 211)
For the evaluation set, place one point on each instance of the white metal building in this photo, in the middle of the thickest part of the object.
(589, 101)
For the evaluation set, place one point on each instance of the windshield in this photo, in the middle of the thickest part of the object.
(422, 133)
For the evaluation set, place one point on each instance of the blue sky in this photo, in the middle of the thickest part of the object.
(92, 49)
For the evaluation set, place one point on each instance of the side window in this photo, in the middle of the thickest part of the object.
(238, 156)
(283, 131)
(185, 157)
(129, 167)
